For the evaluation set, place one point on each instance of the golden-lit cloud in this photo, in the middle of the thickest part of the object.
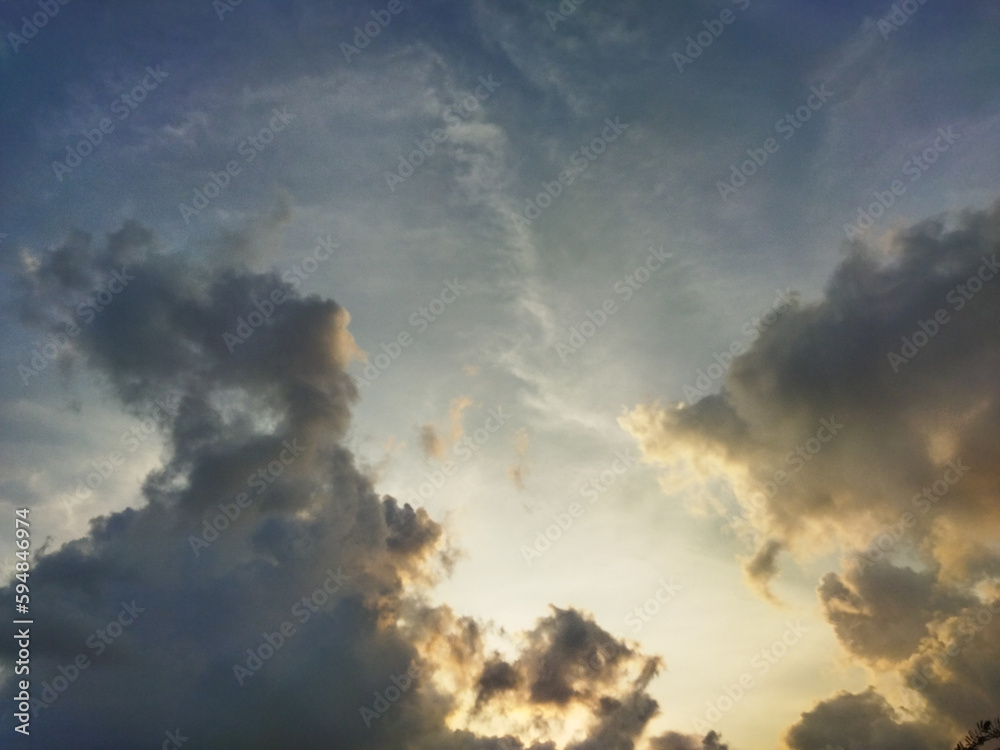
(866, 423)
(320, 566)
(436, 441)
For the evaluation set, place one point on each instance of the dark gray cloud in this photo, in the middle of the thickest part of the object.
(677, 741)
(568, 660)
(956, 669)
(763, 566)
(260, 591)
(860, 720)
(238, 408)
(212, 573)
(821, 431)
(497, 677)
(868, 419)
(882, 611)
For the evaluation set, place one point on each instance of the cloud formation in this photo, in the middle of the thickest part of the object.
(865, 423)
(861, 720)
(301, 605)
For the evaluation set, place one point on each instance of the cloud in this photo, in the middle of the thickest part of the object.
(677, 741)
(434, 444)
(497, 676)
(570, 666)
(518, 472)
(817, 433)
(565, 669)
(762, 567)
(205, 605)
(431, 443)
(859, 720)
(882, 612)
(208, 607)
(272, 617)
(865, 422)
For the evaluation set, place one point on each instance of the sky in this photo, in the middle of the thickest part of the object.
(523, 375)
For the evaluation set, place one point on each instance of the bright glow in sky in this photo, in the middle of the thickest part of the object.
(632, 365)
